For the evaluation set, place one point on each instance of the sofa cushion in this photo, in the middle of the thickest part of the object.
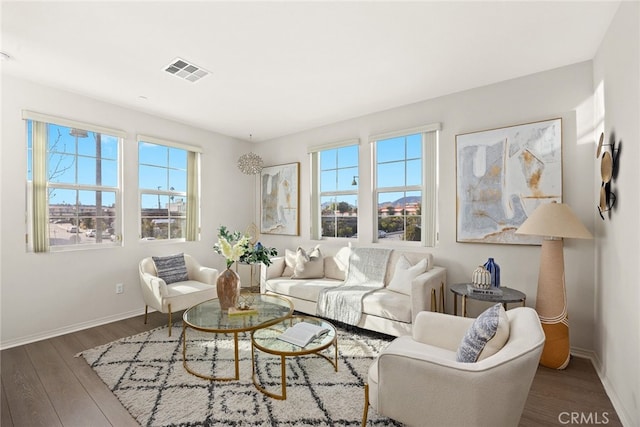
(413, 257)
(388, 304)
(405, 273)
(289, 263)
(308, 265)
(171, 268)
(302, 289)
(486, 335)
(335, 267)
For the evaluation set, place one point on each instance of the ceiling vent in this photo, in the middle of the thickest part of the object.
(185, 70)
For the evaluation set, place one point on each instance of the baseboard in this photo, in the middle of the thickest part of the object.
(68, 329)
(608, 387)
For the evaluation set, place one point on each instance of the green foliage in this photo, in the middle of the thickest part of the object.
(258, 254)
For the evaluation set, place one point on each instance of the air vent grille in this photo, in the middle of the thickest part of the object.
(186, 70)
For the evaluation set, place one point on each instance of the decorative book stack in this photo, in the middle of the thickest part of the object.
(237, 311)
(484, 291)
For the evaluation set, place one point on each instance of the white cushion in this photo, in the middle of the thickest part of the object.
(388, 305)
(289, 263)
(308, 265)
(486, 336)
(335, 267)
(405, 273)
(299, 288)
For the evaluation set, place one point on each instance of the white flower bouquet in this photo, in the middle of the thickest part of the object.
(232, 246)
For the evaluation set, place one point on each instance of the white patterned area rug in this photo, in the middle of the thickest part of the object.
(146, 374)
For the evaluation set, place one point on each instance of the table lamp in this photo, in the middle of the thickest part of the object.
(554, 221)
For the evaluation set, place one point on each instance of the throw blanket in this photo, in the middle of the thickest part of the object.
(367, 267)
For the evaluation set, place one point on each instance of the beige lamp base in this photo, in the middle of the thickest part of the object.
(551, 305)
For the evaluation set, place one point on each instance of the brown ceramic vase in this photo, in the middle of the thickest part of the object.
(228, 287)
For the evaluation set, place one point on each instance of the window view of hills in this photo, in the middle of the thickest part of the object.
(398, 219)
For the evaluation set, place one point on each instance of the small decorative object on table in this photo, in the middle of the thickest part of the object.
(494, 269)
(242, 311)
(481, 278)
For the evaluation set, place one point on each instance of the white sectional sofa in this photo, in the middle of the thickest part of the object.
(389, 309)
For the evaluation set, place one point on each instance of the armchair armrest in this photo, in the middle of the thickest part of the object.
(440, 330)
(206, 275)
(154, 285)
(271, 271)
(421, 289)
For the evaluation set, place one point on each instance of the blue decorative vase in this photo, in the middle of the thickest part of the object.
(494, 269)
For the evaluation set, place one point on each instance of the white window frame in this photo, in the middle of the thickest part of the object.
(117, 190)
(428, 187)
(192, 200)
(316, 195)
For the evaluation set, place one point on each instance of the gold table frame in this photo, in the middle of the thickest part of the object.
(285, 349)
(218, 322)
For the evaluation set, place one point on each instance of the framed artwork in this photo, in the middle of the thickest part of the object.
(502, 175)
(279, 199)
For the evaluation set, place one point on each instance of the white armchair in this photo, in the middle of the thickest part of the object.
(200, 286)
(416, 379)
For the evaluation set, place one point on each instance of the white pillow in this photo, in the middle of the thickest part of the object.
(289, 263)
(336, 267)
(405, 273)
(308, 265)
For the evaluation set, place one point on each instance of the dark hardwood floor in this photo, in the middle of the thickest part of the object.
(44, 384)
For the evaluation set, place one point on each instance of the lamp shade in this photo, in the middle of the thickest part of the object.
(554, 220)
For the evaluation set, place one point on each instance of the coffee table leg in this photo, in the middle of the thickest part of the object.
(209, 377)
(184, 345)
(236, 353)
(283, 372)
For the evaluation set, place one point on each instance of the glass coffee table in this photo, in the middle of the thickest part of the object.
(266, 340)
(209, 317)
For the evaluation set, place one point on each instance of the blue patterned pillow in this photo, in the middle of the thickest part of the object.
(171, 268)
(481, 331)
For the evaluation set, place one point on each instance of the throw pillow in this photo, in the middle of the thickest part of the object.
(336, 267)
(499, 339)
(171, 268)
(404, 274)
(485, 337)
(289, 263)
(308, 265)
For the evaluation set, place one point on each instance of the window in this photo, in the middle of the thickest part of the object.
(335, 184)
(168, 183)
(406, 183)
(72, 182)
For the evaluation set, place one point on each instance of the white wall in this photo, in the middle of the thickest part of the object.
(52, 293)
(564, 92)
(617, 343)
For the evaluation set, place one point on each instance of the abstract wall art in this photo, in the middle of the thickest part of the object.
(279, 199)
(502, 176)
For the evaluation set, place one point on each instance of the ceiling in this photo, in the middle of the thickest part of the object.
(278, 68)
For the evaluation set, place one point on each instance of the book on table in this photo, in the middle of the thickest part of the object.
(492, 291)
(243, 311)
(303, 333)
